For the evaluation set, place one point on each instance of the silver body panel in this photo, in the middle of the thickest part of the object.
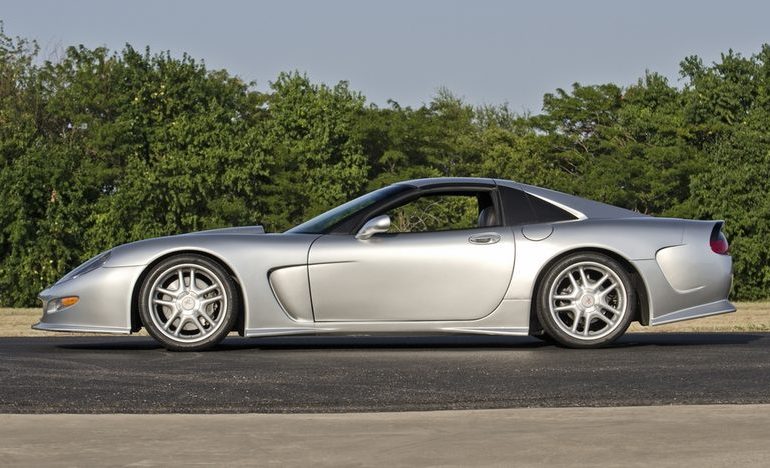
(437, 276)
(437, 282)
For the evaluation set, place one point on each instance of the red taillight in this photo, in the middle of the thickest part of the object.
(719, 243)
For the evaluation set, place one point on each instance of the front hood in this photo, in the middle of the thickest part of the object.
(247, 230)
(143, 251)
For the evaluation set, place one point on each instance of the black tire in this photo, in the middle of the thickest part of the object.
(545, 338)
(185, 316)
(603, 310)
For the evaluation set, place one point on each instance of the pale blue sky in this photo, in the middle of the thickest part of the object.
(485, 51)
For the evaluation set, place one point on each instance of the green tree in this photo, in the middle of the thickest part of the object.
(187, 130)
(100, 148)
(735, 188)
(316, 162)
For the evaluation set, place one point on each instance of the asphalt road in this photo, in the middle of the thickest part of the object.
(333, 374)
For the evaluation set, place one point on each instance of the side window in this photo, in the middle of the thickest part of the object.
(439, 212)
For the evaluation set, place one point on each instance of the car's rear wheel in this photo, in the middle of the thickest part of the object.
(188, 303)
(586, 300)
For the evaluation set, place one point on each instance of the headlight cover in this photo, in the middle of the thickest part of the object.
(86, 267)
(55, 305)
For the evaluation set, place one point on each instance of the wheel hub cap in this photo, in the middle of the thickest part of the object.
(587, 301)
(187, 303)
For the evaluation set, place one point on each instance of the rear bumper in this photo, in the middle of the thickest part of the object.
(684, 287)
(705, 310)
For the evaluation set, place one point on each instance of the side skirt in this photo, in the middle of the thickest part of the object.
(510, 318)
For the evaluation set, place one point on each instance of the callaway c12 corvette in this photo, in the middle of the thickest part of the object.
(444, 255)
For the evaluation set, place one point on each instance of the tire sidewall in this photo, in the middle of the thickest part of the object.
(230, 311)
(543, 301)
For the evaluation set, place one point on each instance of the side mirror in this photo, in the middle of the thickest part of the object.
(374, 226)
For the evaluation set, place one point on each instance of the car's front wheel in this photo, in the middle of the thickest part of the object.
(188, 303)
(586, 300)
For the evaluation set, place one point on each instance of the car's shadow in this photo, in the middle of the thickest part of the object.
(504, 343)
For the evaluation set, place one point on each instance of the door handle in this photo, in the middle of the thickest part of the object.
(484, 238)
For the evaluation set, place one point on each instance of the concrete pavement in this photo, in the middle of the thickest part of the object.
(726, 435)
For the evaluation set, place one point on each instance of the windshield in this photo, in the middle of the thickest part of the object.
(321, 223)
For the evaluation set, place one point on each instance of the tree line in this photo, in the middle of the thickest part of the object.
(99, 148)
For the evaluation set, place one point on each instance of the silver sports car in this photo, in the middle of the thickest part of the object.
(445, 255)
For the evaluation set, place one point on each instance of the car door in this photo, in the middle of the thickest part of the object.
(426, 275)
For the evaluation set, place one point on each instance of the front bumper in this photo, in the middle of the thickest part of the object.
(104, 306)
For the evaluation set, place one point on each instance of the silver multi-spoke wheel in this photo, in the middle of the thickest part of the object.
(187, 303)
(586, 301)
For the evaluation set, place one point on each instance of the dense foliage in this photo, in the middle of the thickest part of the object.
(99, 148)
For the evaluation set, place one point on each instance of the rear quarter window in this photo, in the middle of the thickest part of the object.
(522, 208)
(548, 213)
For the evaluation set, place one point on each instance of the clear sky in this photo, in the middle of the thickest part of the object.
(485, 51)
